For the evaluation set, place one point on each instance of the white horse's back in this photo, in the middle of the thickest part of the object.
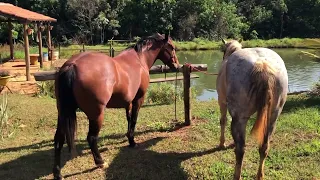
(238, 68)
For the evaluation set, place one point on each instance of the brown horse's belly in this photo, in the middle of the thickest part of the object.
(118, 101)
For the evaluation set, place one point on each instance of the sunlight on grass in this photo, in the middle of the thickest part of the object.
(165, 151)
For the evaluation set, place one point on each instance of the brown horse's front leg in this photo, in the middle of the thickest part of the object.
(132, 119)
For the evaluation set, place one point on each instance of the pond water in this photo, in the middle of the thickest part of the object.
(303, 71)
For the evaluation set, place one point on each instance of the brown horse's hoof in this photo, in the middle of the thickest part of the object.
(222, 146)
(133, 145)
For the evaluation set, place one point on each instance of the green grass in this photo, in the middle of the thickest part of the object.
(196, 44)
(164, 152)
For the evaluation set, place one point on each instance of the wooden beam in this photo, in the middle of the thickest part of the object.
(26, 51)
(10, 40)
(186, 94)
(45, 75)
(157, 69)
(40, 45)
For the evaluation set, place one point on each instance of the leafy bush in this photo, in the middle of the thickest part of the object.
(164, 93)
(46, 88)
(315, 91)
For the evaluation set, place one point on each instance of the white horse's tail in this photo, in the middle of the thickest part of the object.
(263, 84)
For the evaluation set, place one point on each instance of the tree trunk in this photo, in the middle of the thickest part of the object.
(281, 28)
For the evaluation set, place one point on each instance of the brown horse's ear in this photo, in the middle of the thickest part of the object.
(240, 40)
(223, 41)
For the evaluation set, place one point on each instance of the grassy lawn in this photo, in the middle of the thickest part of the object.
(165, 151)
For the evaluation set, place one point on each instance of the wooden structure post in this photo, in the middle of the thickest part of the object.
(26, 50)
(49, 42)
(40, 45)
(186, 94)
(10, 39)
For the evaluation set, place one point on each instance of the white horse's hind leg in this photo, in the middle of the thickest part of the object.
(238, 130)
(264, 149)
(223, 120)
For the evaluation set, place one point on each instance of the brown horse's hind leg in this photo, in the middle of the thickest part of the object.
(59, 139)
(132, 116)
(223, 121)
(92, 138)
(238, 130)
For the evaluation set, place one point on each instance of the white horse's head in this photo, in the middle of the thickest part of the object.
(230, 47)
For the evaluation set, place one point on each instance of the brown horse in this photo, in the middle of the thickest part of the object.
(250, 80)
(92, 81)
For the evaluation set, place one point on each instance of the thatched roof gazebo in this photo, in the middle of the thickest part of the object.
(10, 13)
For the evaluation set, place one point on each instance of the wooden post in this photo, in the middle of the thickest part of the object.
(10, 40)
(186, 94)
(49, 42)
(110, 50)
(26, 50)
(83, 49)
(40, 45)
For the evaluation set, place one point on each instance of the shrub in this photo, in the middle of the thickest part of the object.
(315, 91)
(46, 88)
(164, 93)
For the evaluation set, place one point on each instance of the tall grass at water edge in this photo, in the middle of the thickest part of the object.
(159, 93)
(195, 44)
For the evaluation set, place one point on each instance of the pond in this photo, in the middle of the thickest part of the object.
(303, 71)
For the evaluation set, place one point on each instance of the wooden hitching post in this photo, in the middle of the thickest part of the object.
(186, 94)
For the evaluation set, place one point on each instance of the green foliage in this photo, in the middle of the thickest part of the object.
(96, 21)
(46, 88)
(164, 93)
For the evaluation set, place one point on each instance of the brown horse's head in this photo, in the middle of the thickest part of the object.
(167, 53)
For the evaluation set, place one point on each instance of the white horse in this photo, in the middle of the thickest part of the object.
(250, 80)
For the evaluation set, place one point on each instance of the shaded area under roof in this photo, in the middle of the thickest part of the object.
(15, 12)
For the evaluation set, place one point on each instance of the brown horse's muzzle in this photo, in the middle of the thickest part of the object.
(174, 67)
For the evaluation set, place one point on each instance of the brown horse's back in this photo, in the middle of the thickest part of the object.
(102, 86)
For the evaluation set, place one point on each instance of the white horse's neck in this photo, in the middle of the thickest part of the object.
(231, 47)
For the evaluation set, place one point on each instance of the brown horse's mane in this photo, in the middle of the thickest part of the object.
(144, 40)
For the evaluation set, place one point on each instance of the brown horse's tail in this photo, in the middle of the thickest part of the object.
(262, 88)
(66, 103)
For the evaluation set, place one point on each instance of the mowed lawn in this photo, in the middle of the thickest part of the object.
(166, 150)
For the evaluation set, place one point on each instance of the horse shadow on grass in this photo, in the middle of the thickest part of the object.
(143, 163)
(130, 163)
(39, 161)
